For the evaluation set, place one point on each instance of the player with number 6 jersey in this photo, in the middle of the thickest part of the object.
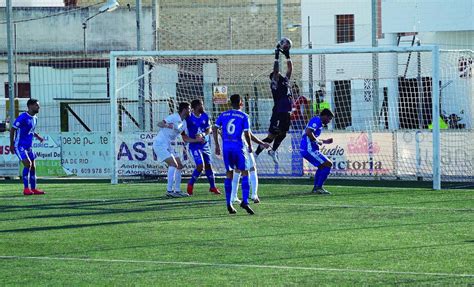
(235, 126)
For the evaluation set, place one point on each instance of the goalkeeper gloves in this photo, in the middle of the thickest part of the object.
(286, 53)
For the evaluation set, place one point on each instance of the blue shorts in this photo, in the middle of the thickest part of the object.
(234, 159)
(23, 153)
(201, 155)
(315, 157)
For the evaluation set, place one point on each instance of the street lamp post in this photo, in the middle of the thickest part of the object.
(11, 92)
(110, 6)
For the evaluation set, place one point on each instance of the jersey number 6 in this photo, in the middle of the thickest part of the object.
(231, 127)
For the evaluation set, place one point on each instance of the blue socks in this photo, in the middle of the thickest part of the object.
(26, 171)
(210, 178)
(194, 177)
(209, 175)
(323, 176)
(245, 189)
(228, 189)
(33, 179)
(317, 175)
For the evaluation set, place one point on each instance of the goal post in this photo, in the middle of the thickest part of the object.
(435, 121)
(173, 76)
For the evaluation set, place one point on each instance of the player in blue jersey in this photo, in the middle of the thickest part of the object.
(200, 128)
(235, 126)
(21, 141)
(280, 120)
(309, 149)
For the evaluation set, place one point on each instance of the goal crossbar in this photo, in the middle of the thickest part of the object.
(260, 52)
(435, 58)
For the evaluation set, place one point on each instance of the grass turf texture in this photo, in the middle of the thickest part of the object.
(98, 234)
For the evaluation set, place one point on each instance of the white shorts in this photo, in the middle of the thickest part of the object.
(164, 151)
(249, 161)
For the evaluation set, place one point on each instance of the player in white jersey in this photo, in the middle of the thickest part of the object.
(171, 127)
(251, 166)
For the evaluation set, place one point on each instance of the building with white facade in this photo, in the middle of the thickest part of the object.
(346, 79)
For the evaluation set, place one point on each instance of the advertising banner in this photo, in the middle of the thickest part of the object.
(407, 153)
(136, 156)
(86, 154)
(416, 156)
(357, 154)
(9, 162)
(48, 155)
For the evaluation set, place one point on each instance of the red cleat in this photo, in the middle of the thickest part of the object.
(37, 191)
(27, 191)
(214, 190)
(190, 189)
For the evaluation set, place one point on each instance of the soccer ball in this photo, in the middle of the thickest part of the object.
(285, 44)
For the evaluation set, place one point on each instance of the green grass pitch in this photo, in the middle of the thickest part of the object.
(130, 234)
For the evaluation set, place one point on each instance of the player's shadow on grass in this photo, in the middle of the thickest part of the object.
(19, 195)
(75, 203)
(106, 202)
(68, 226)
(87, 225)
(92, 208)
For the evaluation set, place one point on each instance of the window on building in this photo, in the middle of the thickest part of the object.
(344, 28)
(21, 90)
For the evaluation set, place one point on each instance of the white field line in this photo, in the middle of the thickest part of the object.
(230, 265)
(120, 201)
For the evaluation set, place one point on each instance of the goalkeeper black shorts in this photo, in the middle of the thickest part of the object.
(279, 123)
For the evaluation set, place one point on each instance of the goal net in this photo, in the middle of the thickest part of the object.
(390, 120)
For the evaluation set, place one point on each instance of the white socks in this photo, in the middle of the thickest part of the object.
(174, 178)
(235, 186)
(177, 181)
(171, 174)
(253, 178)
(253, 183)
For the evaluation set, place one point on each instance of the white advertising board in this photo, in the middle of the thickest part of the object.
(9, 163)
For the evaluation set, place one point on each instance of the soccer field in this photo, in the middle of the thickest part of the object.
(98, 234)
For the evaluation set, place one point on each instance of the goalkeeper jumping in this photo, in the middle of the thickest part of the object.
(282, 103)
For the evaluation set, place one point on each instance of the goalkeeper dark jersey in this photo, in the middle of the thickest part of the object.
(281, 92)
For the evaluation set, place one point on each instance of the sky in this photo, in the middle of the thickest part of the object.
(33, 3)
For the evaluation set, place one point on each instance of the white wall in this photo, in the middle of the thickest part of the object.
(66, 32)
(323, 14)
(359, 67)
(449, 40)
(34, 3)
(427, 15)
